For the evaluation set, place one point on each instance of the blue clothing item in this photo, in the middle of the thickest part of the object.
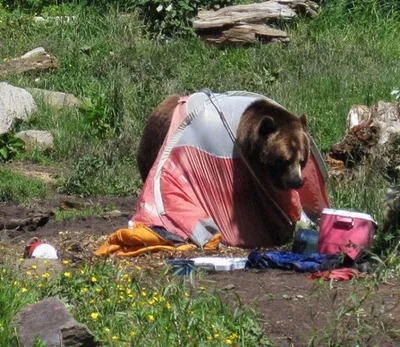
(292, 261)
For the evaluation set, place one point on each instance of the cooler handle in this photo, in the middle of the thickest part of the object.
(346, 222)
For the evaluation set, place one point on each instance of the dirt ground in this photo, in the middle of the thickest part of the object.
(293, 308)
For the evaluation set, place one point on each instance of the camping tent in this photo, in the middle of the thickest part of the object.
(200, 185)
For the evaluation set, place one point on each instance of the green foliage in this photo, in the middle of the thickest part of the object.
(174, 17)
(16, 188)
(10, 146)
(122, 306)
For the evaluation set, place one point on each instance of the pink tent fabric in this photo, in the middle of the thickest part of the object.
(199, 185)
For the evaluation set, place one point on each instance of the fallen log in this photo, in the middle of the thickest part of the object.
(246, 24)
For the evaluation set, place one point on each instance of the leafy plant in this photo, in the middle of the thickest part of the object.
(169, 17)
(10, 146)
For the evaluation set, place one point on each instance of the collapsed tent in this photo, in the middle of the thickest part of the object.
(200, 186)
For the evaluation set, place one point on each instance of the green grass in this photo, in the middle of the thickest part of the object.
(17, 188)
(122, 307)
(78, 214)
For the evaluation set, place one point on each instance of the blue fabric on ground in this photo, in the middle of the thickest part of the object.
(292, 261)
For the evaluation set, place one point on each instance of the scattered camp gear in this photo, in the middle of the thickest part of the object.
(345, 231)
(305, 241)
(292, 261)
(36, 248)
(193, 190)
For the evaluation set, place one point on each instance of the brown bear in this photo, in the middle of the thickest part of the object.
(274, 141)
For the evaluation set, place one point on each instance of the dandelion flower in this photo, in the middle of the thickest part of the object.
(24, 290)
(84, 290)
(168, 305)
(34, 267)
(65, 262)
(186, 294)
(132, 334)
(114, 338)
(99, 290)
(151, 318)
(107, 330)
(28, 273)
(203, 288)
(93, 279)
(94, 315)
(144, 293)
(67, 274)
(46, 275)
(228, 341)
(92, 301)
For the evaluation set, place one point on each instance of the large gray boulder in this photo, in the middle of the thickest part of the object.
(15, 103)
(50, 321)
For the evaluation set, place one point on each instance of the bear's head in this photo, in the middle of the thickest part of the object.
(275, 142)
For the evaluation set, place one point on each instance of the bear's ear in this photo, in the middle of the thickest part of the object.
(304, 121)
(266, 126)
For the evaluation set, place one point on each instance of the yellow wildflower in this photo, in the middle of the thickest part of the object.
(114, 338)
(216, 336)
(84, 290)
(46, 275)
(34, 267)
(203, 288)
(21, 259)
(67, 274)
(94, 315)
(4, 271)
(132, 334)
(15, 283)
(151, 318)
(108, 300)
(92, 301)
(65, 262)
(143, 293)
(186, 294)
(138, 268)
(107, 330)
(228, 341)
(28, 273)
(98, 290)
(93, 279)
(151, 302)
(168, 305)
(82, 272)
(209, 338)
(24, 290)
(36, 277)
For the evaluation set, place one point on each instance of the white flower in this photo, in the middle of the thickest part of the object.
(159, 8)
(396, 93)
(169, 8)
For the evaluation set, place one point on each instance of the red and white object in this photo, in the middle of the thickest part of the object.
(345, 231)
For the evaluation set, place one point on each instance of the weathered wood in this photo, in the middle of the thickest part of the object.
(245, 24)
(36, 60)
(246, 34)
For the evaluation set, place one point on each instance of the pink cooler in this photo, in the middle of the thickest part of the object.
(345, 231)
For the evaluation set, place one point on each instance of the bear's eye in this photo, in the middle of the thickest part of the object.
(280, 162)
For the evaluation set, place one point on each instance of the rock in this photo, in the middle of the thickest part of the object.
(61, 330)
(75, 334)
(15, 103)
(54, 99)
(37, 138)
(40, 266)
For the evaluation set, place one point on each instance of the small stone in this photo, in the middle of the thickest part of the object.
(229, 286)
(298, 296)
(37, 138)
(57, 100)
